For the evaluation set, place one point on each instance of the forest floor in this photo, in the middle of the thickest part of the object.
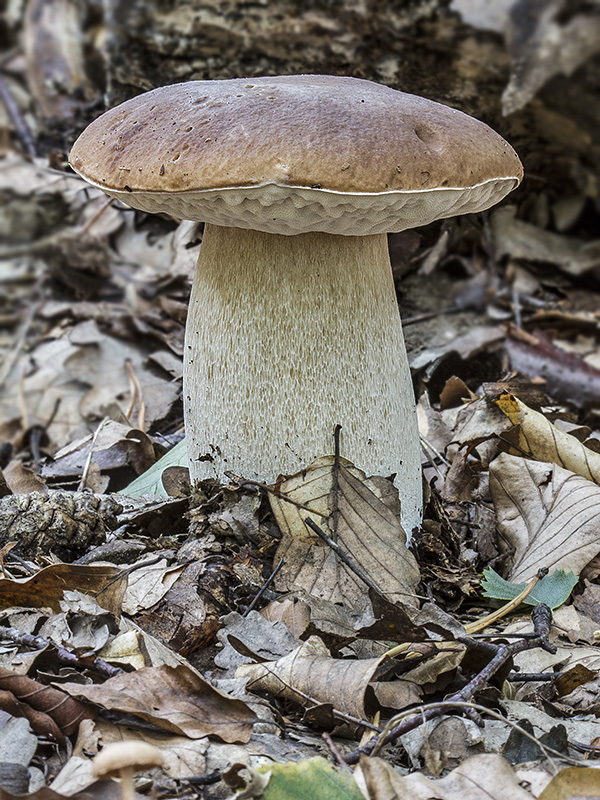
(205, 619)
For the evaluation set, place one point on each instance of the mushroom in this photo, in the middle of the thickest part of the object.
(122, 760)
(293, 324)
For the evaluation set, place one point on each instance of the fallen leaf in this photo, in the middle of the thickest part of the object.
(175, 699)
(51, 712)
(486, 775)
(524, 241)
(568, 377)
(542, 43)
(106, 584)
(310, 672)
(545, 442)
(548, 514)
(573, 782)
(361, 515)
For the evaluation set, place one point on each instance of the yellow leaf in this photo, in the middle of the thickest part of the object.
(544, 441)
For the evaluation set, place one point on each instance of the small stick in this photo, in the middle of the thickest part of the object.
(14, 114)
(85, 228)
(334, 751)
(445, 705)
(465, 695)
(349, 562)
(64, 656)
(136, 394)
(484, 622)
(88, 461)
(265, 486)
(264, 587)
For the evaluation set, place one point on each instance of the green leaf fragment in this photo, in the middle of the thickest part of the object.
(312, 779)
(150, 482)
(553, 590)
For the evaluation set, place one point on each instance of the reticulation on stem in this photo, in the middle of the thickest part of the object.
(286, 337)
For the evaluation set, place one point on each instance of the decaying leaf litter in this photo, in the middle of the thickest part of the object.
(213, 623)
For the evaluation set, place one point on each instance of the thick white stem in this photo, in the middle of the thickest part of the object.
(288, 336)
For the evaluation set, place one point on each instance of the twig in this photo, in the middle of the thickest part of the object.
(430, 315)
(428, 446)
(264, 587)
(20, 339)
(349, 562)
(14, 114)
(267, 488)
(88, 461)
(334, 751)
(480, 624)
(136, 394)
(85, 228)
(97, 665)
(465, 695)
(203, 780)
(447, 705)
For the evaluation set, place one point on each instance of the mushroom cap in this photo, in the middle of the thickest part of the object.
(121, 755)
(293, 154)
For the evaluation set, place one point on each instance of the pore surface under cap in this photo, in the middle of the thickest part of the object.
(294, 154)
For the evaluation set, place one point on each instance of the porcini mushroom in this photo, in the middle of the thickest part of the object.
(123, 759)
(293, 323)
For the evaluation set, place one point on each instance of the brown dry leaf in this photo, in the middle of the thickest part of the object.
(524, 241)
(486, 775)
(106, 584)
(366, 526)
(175, 699)
(49, 711)
(309, 671)
(545, 442)
(548, 514)
(114, 445)
(54, 55)
(573, 782)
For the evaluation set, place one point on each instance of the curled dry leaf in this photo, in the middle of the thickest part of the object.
(50, 712)
(309, 671)
(361, 515)
(548, 514)
(544, 441)
(175, 699)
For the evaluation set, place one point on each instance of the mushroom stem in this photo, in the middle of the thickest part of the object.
(126, 774)
(286, 337)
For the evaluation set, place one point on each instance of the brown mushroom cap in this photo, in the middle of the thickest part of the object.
(293, 154)
(126, 755)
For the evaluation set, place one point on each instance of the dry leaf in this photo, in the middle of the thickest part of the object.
(548, 514)
(526, 242)
(309, 671)
(366, 526)
(175, 699)
(106, 584)
(544, 441)
(486, 775)
(573, 782)
(50, 711)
